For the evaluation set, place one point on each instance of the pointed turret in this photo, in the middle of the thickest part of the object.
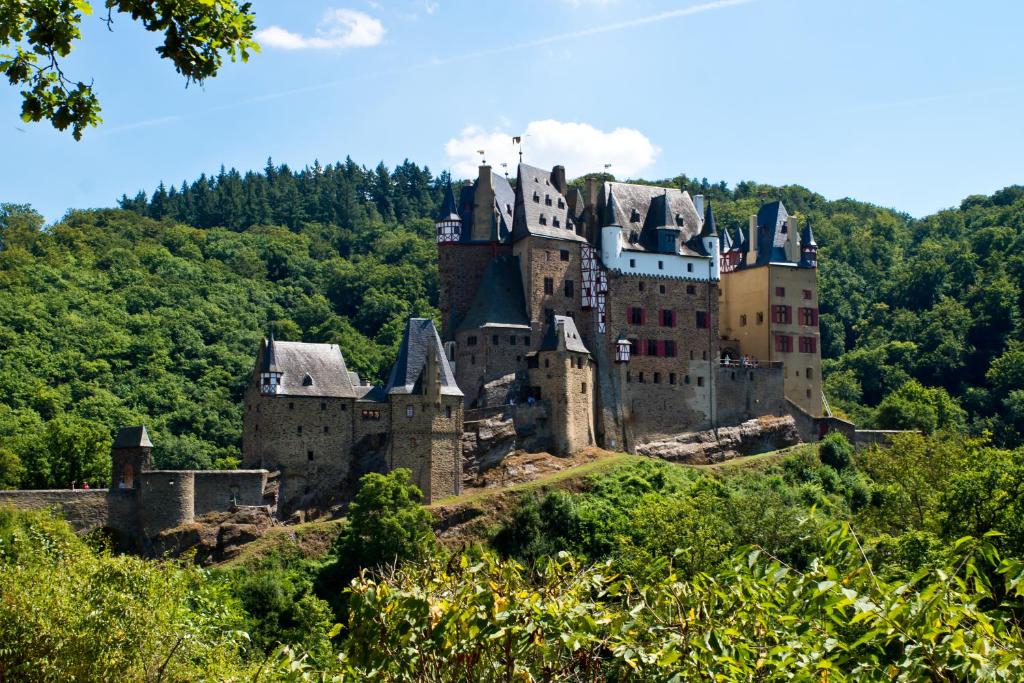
(448, 223)
(709, 229)
(808, 247)
(611, 219)
(726, 243)
(270, 374)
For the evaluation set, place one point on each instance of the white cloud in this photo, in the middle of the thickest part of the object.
(580, 147)
(339, 29)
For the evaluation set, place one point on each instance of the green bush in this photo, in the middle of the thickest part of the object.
(835, 451)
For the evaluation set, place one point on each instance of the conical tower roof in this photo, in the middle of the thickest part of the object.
(269, 358)
(807, 236)
(726, 244)
(662, 210)
(610, 210)
(709, 229)
(449, 209)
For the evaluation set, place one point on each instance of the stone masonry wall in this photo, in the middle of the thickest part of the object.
(664, 395)
(744, 393)
(541, 258)
(309, 439)
(428, 442)
(167, 499)
(566, 383)
(84, 510)
(492, 356)
(218, 490)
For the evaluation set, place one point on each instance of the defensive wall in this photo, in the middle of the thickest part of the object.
(149, 501)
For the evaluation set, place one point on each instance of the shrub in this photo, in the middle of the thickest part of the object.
(835, 451)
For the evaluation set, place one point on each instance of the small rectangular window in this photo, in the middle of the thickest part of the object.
(661, 289)
(700, 381)
(743, 320)
(564, 254)
(309, 456)
(640, 377)
(661, 265)
(291, 405)
(409, 411)
(327, 429)
(807, 294)
(448, 411)
(780, 291)
(471, 340)
(549, 285)
(809, 373)
(657, 378)
(632, 263)
(690, 289)
(671, 378)
(652, 347)
(689, 267)
(323, 405)
(300, 429)
(583, 388)
(760, 317)
(512, 340)
(494, 340)
(570, 289)
(702, 320)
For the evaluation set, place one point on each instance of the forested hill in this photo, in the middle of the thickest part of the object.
(152, 312)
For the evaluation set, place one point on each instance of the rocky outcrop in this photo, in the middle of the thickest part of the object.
(486, 444)
(214, 537)
(759, 435)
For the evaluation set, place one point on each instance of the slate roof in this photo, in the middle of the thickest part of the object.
(132, 437)
(322, 362)
(499, 300)
(771, 240)
(726, 244)
(449, 208)
(642, 203)
(534, 188)
(563, 335)
(807, 236)
(419, 342)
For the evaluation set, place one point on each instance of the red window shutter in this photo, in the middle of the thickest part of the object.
(814, 317)
(643, 316)
(640, 347)
(661, 348)
(673, 314)
(629, 315)
(778, 342)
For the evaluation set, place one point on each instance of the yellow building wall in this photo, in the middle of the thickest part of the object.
(751, 293)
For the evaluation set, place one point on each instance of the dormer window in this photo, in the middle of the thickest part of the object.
(634, 216)
(554, 221)
(561, 204)
(543, 219)
(547, 199)
(679, 220)
(508, 209)
(307, 380)
(536, 196)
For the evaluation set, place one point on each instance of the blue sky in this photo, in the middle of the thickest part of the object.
(910, 104)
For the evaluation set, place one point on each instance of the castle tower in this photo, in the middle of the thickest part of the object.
(564, 375)
(808, 248)
(426, 413)
(130, 456)
(611, 231)
(270, 374)
(709, 239)
(448, 224)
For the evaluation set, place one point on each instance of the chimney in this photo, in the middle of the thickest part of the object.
(483, 206)
(752, 241)
(793, 240)
(558, 179)
(698, 203)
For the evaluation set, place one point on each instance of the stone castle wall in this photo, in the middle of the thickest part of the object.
(428, 442)
(217, 490)
(744, 393)
(460, 267)
(663, 395)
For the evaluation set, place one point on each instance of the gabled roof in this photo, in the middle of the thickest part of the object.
(499, 300)
(562, 335)
(322, 362)
(639, 209)
(132, 437)
(534, 189)
(419, 344)
(771, 239)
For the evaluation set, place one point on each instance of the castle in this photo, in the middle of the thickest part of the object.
(610, 315)
(613, 315)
